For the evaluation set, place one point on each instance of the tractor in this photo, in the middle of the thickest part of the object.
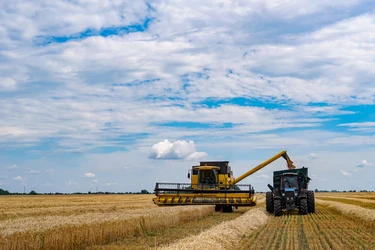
(289, 192)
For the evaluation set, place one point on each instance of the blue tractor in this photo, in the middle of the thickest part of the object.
(289, 192)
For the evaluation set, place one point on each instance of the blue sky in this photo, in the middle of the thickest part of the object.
(118, 95)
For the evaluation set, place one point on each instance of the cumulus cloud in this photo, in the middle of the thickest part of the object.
(364, 163)
(175, 150)
(19, 178)
(89, 175)
(14, 166)
(313, 156)
(263, 176)
(346, 174)
(33, 171)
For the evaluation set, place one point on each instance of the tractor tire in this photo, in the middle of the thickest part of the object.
(227, 209)
(269, 202)
(218, 208)
(303, 206)
(310, 202)
(277, 209)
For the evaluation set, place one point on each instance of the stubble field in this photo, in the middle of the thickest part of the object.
(341, 221)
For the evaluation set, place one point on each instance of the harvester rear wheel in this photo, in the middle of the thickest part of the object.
(277, 207)
(228, 209)
(269, 202)
(303, 206)
(310, 202)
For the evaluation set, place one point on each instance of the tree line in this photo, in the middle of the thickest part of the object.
(32, 192)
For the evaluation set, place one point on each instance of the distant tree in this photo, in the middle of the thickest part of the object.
(4, 192)
(32, 192)
(144, 191)
(316, 190)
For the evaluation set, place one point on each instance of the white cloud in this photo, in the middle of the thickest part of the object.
(89, 175)
(313, 156)
(7, 84)
(14, 166)
(175, 150)
(108, 184)
(346, 174)
(95, 181)
(19, 178)
(263, 176)
(33, 171)
(364, 163)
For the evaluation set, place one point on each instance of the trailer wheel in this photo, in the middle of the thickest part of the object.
(310, 202)
(269, 202)
(303, 206)
(277, 207)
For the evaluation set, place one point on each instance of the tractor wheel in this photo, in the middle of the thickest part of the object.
(310, 202)
(277, 209)
(227, 209)
(269, 202)
(303, 206)
(218, 208)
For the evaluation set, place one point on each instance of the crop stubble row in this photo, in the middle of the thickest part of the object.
(326, 229)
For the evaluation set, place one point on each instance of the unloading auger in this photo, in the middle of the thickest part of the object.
(212, 183)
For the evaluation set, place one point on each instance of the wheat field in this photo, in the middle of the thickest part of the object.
(341, 221)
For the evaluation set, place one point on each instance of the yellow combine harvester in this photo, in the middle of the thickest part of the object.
(212, 183)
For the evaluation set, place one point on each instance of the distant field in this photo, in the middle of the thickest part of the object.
(341, 221)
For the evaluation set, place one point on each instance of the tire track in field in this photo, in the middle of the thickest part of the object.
(226, 234)
(325, 229)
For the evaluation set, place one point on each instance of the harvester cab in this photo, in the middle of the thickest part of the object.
(213, 183)
(290, 191)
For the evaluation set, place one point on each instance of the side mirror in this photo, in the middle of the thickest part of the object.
(188, 175)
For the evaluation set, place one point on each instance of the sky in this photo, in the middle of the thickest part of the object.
(118, 95)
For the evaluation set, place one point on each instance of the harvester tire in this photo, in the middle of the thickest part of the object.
(277, 207)
(269, 202)
(228, 209)
(310, 202)
(303, 206)
(218, 208)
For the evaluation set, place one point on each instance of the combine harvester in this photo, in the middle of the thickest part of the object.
(212, 183)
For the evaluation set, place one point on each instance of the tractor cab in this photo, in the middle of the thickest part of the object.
(289, 181)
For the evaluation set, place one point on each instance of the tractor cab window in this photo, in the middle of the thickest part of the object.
(208, 176)
(290, 182)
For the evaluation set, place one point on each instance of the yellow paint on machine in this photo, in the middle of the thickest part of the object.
(208, 199)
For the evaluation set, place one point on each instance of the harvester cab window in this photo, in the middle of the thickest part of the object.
(290, 182)
(208, 176)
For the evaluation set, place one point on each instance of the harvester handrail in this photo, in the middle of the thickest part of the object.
(265, 163)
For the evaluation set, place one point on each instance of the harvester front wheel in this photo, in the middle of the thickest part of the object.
(303, 206)
(218, 208)
(310, 201)
(228, 209)
(269, 202)
(277, 207)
